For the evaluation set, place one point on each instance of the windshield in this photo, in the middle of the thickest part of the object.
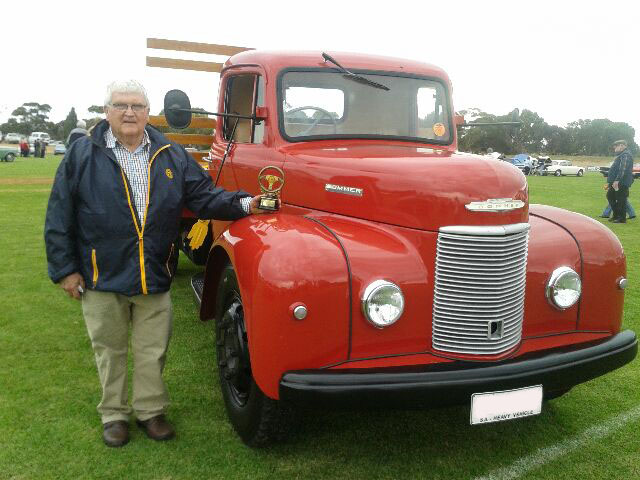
(327, 104)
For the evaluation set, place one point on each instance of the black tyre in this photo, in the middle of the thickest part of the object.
(199, 255)
(527, 170)
(258, 419)
(557, 173)
(10, 157)
(580, 173)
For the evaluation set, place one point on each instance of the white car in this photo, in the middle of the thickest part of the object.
(13, 138)
(42, 136)
(563, 167)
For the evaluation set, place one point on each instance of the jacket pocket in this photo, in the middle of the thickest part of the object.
(94, 263)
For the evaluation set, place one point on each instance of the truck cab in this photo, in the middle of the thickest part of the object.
(389, 275)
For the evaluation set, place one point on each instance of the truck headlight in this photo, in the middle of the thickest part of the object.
(382, 303)
(564, 288)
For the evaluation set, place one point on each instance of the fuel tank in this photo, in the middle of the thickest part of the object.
(406, 185)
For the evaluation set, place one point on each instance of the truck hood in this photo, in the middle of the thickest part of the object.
(410, 186)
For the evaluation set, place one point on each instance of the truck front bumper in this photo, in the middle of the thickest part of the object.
(452, 383)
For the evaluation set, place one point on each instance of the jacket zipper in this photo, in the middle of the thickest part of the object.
(140, 229)
(94, 262)
(168, 259)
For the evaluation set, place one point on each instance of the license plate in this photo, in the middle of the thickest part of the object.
(507, 405)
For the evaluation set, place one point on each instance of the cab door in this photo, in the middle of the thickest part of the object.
(251, 149)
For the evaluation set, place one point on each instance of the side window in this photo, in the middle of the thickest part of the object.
(242, 94)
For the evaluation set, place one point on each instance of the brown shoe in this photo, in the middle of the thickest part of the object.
(116, 434)
(157, 428)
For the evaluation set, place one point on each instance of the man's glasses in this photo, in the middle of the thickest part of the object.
(123, 107)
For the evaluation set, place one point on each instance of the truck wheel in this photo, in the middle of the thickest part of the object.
(527, 170)
(557, 173)
(198, 256)
(258, 419)
(580, 173)
(10, 157)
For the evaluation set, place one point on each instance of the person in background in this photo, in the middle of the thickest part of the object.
(36, 148)
(43, 148)
(78, 132)
(619, 181)
(606, 213)
(24, 147)
(113, 215)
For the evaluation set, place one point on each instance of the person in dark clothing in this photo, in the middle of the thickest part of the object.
(43, 148)
(619, 181)
(112, 218)
(36, 148)
(78, 132)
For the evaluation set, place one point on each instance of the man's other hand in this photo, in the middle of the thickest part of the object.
(70, 284)
(255, 201)
(615, 186)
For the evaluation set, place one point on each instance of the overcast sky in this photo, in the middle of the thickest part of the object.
(565, 60)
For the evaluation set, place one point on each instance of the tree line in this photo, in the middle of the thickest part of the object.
(581, 137)
(34, 117)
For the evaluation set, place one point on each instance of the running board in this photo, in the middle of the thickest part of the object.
(197, 285)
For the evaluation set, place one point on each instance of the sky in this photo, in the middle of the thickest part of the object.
(565, 60)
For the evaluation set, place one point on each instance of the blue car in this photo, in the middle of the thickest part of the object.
(526, 163)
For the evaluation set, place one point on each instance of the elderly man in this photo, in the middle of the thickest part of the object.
(113, 214)
(619, 180)
(78, 132)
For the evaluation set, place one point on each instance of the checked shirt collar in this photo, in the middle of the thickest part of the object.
(135, 166)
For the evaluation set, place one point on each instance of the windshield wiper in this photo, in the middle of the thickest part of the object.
(353, 76)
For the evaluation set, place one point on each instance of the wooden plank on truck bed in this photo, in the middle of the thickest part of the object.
(195, 47)
(190, 138)
(196, 122)
(184, 64)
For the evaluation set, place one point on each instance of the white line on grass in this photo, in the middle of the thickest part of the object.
(548, 454)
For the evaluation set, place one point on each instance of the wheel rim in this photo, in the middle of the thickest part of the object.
(233, 355)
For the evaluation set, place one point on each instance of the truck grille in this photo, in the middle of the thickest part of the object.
(479, 288)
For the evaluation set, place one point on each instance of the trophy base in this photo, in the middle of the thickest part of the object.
(268, 204)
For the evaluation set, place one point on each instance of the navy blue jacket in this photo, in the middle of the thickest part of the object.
(92, 226)
(622, 169)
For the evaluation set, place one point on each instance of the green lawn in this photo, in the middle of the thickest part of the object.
(49, 388)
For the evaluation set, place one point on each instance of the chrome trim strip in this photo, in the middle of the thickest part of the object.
(486, 230)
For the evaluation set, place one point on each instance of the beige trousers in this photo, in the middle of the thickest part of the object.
(108, 317)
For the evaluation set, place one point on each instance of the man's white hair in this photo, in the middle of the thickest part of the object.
(125, 86)
(81, 124)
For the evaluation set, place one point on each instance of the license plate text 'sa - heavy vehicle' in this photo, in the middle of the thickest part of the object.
(388, 276)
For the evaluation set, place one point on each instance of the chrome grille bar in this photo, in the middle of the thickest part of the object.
(479, 288)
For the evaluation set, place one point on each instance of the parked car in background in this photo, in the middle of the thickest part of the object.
(563, 167)
(39, 136)
(526, 163)
(12, 138)
(636, 170)
(8, 154)
(59, 149)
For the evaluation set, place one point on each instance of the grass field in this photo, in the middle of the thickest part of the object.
(49, 388)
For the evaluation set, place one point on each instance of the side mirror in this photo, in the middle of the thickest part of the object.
(175, 104)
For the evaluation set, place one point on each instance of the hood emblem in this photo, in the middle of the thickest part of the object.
(330, 187)
(495, 205)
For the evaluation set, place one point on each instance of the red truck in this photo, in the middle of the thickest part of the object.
(389, 276)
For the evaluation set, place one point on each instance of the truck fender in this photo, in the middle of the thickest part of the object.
(283, 261)
(603, 265)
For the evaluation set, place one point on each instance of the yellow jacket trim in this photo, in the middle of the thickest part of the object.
(95, 266)
(140, 229)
